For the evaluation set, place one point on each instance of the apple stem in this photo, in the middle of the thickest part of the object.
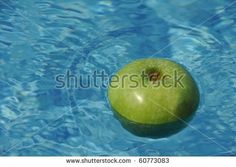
(154, 76)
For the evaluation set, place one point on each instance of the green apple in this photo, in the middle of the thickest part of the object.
(153, 97)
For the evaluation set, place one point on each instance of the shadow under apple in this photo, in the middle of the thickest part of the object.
(153, 130)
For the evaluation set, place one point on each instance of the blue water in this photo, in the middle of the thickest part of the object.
(42, 38)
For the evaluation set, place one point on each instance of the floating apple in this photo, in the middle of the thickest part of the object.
(153, 97)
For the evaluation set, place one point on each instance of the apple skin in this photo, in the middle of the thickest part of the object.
(154, 111)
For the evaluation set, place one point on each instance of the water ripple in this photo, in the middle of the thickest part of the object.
(40, 39)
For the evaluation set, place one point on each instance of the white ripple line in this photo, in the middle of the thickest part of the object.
(184, 34)
(75, 51)
(34, 133)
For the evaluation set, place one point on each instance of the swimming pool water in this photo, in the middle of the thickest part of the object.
(42, 38)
